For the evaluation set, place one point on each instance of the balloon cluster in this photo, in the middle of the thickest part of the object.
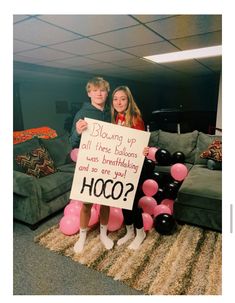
(70, 222)
(159, 192)
(160, 189)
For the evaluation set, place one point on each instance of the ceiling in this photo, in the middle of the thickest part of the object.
(113, 45)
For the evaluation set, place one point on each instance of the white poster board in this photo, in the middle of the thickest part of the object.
(109, 163)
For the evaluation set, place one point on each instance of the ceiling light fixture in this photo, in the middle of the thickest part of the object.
(197, 53)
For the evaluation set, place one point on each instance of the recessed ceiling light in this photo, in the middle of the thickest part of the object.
(196, 53)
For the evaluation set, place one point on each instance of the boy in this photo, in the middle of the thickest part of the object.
(97, 90)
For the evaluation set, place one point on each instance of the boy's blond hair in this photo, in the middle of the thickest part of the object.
(97, 82)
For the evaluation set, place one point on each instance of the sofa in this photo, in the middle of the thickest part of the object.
(42, 178)
(199, 197)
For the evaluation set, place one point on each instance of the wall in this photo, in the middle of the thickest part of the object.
(39, 90)
(41, 87)
(38, 100)
(189, 94)
(219, 110)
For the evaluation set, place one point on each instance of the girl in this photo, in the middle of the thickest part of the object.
(125, 112)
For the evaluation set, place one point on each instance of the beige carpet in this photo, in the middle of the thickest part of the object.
(189, 262)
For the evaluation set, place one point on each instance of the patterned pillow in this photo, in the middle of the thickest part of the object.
(213, 152)
(37, 163)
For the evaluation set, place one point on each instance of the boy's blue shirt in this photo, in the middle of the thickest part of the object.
(88, 111)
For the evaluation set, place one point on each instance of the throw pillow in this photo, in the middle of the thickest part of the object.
(37, 163)
(213, 152)
(204, 140)
(59, 149)
(22, 149)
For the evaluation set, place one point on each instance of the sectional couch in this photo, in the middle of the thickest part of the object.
(199, 199)
(198, 202)
(36, 198)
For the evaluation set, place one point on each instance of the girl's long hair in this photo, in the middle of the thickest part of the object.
(132, 113)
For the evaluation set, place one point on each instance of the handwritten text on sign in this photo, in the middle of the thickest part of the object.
(109, 164)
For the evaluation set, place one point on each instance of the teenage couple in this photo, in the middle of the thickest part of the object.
(124, 111)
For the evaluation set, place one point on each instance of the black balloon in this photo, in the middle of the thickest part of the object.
(158, 177)
(167, 177)
(147, 169)
(164, 224)
(171, 190)
(177, 183)
(160, 195)
(178, 157)
(162, 178)
(149, 165)
(163, 157)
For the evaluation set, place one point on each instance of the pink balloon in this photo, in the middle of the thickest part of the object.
(151, 154)
(74, 154)
(169, 203)
(76, 201)
(161, 209)
(73, 208)
(147, 204)
(150, 187)
(97, 207)
(179, 171)
(147, 221)
(69, 225)
(115, 219)
(94, 217)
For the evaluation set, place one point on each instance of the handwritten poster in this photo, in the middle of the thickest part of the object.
(109, 163)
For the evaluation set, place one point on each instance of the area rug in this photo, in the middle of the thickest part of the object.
(189, 262)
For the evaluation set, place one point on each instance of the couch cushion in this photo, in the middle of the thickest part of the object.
(59, 149)
(203, 142)
(211, 164)
(202, 188)
(185, 143)
(53, 186)
(23, 148)
(37, 163)
(199, 200)
(69, 168)
(153, 140)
